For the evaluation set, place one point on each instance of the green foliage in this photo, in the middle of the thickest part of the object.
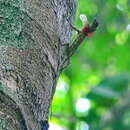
(109, 90)
(99, 71)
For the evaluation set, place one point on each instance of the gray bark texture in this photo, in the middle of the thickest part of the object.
(34, 37)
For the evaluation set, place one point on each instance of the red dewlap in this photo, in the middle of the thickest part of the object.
(89, 34)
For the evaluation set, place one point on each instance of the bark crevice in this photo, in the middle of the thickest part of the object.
(34, 38)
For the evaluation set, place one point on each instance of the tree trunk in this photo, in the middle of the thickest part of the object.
(34, 37)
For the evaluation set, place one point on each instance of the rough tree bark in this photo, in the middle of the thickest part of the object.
(34, 37)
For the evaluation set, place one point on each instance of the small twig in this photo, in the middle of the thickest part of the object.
(74, 28)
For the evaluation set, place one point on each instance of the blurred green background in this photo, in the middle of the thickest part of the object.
(94, 91)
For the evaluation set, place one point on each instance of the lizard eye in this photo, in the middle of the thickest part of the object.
(94, 25)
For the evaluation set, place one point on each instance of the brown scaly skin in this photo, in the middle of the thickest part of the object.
(86, 31)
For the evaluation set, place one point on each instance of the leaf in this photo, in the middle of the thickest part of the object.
(108, 91)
